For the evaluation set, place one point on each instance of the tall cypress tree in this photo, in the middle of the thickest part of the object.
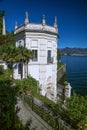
(2, 13)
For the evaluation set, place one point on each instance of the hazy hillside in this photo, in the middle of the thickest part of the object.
(73, 51)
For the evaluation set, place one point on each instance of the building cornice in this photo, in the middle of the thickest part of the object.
(33, 27)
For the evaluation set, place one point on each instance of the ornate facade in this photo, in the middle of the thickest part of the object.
(42, 40)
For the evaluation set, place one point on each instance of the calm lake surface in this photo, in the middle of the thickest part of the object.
(76, 72)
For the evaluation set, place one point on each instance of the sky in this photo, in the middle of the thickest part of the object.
(71, 17)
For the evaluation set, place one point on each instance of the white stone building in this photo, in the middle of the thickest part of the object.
(42, 40)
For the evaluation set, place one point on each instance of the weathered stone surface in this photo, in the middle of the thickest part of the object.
(26, 114)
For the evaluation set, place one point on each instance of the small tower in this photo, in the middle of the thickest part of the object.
(3, 30)
(42, 40)
(26, 19)
(43, 20)
(55, 22)
(16, 25)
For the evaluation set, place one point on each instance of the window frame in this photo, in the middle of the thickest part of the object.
(35, 57)
(20, 68)
(49, 56)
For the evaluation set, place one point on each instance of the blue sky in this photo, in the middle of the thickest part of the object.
(71, 17)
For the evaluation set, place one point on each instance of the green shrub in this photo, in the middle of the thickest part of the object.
(27, 84)
(1, 69)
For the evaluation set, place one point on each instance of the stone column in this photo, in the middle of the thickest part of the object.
(3, 29)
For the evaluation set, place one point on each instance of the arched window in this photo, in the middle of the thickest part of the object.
(20, 43)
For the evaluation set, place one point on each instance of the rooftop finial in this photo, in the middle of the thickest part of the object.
(16, 25)
(43, 19)
(55, 22)
(26, 19)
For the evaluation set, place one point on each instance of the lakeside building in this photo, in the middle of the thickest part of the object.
(42, 40)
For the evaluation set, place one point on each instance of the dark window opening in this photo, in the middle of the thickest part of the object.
(49, 58)
(49, 54)
(35, 57)
(20, 68)
(9, 65)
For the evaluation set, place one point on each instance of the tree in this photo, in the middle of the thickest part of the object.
(1, 69)
(2, 13)
(12, 54)
(8, 93)
(7, 103)
(75, 110)
(8, 99)
(7, 39)
(1, 26)
(24, 55)
(8, 53)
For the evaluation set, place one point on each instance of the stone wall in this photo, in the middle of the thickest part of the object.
(61, 72)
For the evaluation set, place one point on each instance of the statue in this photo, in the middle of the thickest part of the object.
(43, 20)
(26, 19)
(26, 15)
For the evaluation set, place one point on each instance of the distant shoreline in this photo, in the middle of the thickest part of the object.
(73, 51)
(73, 55)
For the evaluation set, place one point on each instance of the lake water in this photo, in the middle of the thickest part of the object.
(76, 72)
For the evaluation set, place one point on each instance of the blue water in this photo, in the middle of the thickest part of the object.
(76, 72)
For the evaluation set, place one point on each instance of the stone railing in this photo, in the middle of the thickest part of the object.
(19, 29)
(61, 72)
(37, 27)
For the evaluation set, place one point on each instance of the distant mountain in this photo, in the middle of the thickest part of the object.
(73, 51)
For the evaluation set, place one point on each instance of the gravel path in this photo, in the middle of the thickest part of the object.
(25, 114)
